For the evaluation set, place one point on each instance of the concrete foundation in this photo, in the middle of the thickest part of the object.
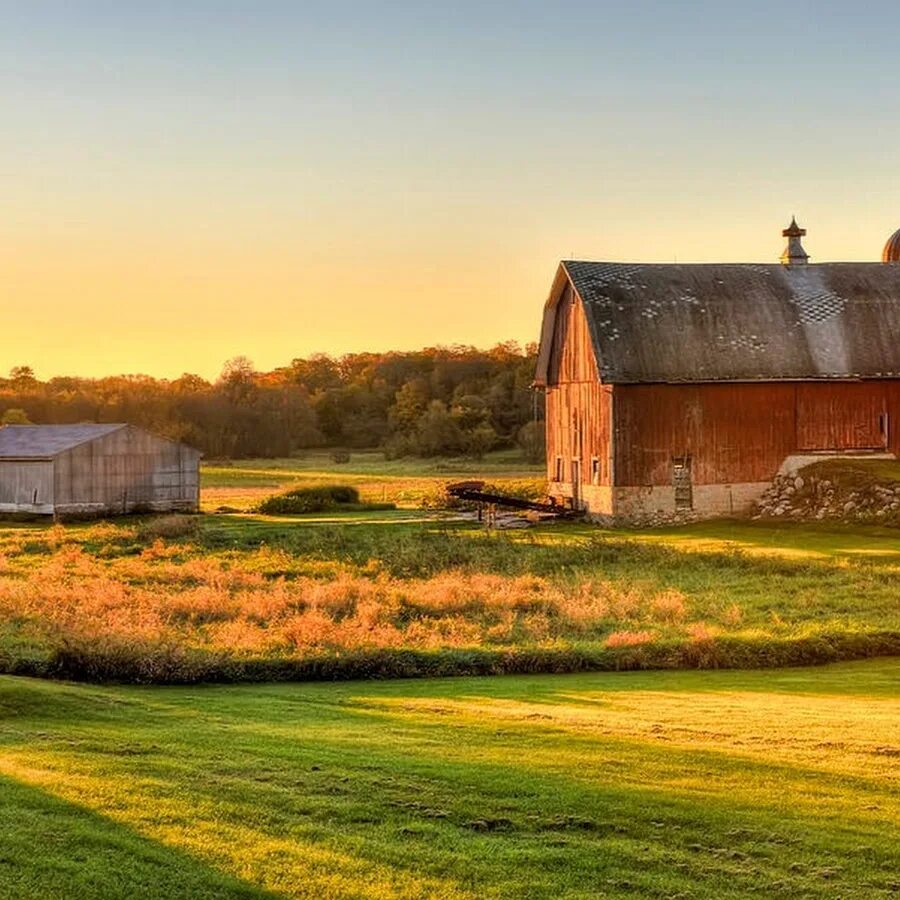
(595, 500)
(656, 503)
(709, 501)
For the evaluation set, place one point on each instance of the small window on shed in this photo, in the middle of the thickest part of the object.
(558, 471)
(595, 470)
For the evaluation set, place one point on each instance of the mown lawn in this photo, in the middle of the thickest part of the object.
(777, 784)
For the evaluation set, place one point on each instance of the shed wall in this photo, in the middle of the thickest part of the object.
(26, 486)
(127, 470)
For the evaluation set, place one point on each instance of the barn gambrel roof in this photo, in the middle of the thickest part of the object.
(47, 441)
(694, 323)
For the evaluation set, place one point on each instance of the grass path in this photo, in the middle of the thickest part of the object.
(690, 784)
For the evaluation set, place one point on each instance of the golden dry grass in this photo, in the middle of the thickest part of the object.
(164, 594)
(237, 590)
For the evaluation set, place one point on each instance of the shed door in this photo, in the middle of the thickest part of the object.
(841, 417)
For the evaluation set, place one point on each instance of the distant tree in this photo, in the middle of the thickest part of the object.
(22, 376)
(438, 432)
(15, 417)
(317, 373)
(477, 441)
(237, 377)
(358, 400)
(531, 441)
(409, 404)
(470, 411)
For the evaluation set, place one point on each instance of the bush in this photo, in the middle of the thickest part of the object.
(15, 417)
(399, 446)
(310, 500)
(168, 527)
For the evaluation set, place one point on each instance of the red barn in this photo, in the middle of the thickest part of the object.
(686, 388)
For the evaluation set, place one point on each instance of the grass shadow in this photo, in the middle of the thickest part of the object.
(53, 848)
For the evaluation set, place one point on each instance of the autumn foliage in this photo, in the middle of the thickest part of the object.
(436, 401)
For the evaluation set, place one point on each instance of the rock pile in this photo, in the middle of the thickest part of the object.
(813, 496)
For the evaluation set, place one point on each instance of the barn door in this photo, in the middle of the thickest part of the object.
(683, 483)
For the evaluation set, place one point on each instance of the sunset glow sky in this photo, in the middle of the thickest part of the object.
(188, 181)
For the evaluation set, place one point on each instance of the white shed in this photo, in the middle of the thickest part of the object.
(95, 470)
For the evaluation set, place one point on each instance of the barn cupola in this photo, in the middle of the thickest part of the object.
(891, 252)
(794, 254)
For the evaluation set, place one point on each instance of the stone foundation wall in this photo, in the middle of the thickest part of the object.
(596, 499)
(810, 496)
(656, 505)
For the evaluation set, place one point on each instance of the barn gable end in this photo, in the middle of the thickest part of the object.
(578, 409)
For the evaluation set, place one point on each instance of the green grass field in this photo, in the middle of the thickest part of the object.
(244, 483)
(778, 784)
(781, 783)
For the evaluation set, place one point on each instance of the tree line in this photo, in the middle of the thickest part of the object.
(437, 401)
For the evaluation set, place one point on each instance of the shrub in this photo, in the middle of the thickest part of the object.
(630, 639)
(669, 606)
(15, 417)
(310, 500)
(168, 528)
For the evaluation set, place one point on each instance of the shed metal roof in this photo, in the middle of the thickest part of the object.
(739, 322)
(46, 441)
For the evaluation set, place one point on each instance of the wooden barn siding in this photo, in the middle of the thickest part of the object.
(737, 433)
(892, 404)
(840, 415)
(579, 420)
(19, 479)
(578, 406)
(572, 351)
(128, 466)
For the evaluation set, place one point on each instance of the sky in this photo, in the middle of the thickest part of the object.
(184, 182)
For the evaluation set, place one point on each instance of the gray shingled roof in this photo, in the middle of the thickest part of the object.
(689, 323)
(45, 441)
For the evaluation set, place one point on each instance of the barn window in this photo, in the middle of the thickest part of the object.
(595, 470)
(681, 481)
(558, 472)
